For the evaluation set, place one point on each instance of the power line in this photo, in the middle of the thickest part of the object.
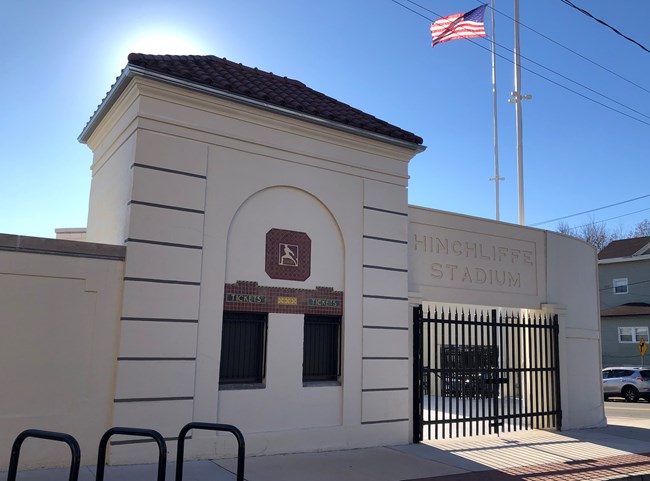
(572, 51)
(591, 210)
(540, 75)
(629, 284)
(611, 218)
(564, 87)
(582, 10)
(584, 86)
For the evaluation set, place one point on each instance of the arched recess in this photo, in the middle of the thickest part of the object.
(291, 209)
(292, 398)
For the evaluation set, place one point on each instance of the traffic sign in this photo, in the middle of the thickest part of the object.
(643, 347)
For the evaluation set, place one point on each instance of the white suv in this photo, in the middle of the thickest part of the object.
(630, 383)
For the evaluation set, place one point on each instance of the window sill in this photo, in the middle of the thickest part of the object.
(241, 387)
(320, 383)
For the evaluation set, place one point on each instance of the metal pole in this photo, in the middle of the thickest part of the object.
(496, 177)
(518, 98)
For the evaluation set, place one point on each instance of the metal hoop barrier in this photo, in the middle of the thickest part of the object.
(53, 436)
(149, 433)
(180, 450)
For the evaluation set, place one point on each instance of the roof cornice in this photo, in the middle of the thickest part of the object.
(131, 71)
(616, 260)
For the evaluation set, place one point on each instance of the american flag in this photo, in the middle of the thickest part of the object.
(459, 25)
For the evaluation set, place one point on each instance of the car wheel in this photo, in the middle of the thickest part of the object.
(630, 394)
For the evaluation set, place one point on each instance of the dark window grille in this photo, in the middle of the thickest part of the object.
(321, 348)
(243, 348)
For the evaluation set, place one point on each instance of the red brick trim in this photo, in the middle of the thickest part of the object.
(248, 296)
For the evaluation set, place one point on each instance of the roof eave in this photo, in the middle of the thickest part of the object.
(616, 260)
(133, 70)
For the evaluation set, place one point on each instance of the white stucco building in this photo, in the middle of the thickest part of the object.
(268, 265)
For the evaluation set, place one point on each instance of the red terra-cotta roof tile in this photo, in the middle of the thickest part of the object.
(623, 247)
(222, 74)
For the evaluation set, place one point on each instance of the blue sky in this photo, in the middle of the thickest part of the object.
(60, 58)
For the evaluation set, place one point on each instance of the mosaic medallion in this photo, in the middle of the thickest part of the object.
(288, 255)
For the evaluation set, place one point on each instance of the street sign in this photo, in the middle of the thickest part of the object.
(643, 347)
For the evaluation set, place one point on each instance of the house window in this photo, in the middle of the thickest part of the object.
(632, 334)
(620, 286)
(321, 348)
(243, 348)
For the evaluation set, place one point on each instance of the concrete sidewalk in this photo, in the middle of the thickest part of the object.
(620, 450)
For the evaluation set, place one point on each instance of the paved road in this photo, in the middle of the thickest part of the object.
(619, 408)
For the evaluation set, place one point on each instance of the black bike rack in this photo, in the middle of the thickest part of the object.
(53, 436)
(149, 433)
(180, 450)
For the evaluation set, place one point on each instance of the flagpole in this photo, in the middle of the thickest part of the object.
(496, 177)
(516, 98)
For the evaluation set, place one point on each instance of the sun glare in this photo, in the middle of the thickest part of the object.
(164, 43)
(157, 41)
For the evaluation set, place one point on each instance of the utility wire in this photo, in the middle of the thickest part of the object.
(611, 218)
(630, 284)
(602, 22)
(591, 210)
(561, 75)
(570, 50)
(566, 88)
(532, 71)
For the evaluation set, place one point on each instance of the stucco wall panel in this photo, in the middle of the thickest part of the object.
(158, 339)
(287, 403)
(385, 254)
(156, 300)
(380, 282)
(168, 188)
(385, 373)
(465, 260)
(243, 127)
(385, 406)
(171, 152)
(291, 209)
(110, 192)
(151, 261)
(385, 312)
(139, 378)
(385, 196)
(165, 225)
(313, 407)
(60, 329)
(166, 417)
(385, 343)
(582, 401)
(572, 281)
(384, 224)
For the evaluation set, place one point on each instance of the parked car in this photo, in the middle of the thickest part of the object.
(630, 383)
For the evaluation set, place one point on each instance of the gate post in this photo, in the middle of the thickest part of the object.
(417, 374)
(556, 362)
(495, 374)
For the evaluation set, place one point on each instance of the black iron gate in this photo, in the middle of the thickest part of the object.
(483, 374)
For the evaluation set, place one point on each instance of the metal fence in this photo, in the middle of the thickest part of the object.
(483, 373)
